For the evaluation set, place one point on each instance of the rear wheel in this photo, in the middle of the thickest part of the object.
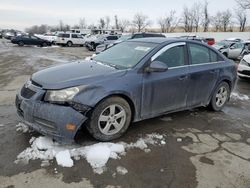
(110, 119)
(220, 96)
(44, 44)
(69, 44)
(20, 43)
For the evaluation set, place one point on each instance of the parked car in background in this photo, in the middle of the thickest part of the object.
(1, 35)
(132, 81)
(236, 50)
(244, 67)
(125, 37)
(69, 39)
(101, 39)
(49, 37)
(8, 35)
(30, 40)
(210, 41)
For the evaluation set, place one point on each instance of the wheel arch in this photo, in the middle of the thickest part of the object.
(123, 96)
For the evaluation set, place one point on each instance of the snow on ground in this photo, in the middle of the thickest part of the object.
(97, 155)
(20, 127)
(121, 170)
(238, 96)
(1, 125)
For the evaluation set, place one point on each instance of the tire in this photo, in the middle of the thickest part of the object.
(220, 96)
(44, 44)
(69, 44)
(105, 125)
(20, 43)
(93, 46)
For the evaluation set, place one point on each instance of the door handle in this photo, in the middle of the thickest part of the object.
(184, 77)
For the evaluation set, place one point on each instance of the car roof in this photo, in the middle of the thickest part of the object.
(157, 40)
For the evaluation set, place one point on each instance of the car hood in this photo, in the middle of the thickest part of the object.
(247, 58)
(75, 74)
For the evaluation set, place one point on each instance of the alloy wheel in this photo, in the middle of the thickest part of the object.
(112, 119)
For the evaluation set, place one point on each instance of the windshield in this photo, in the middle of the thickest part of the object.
(125, 55)
(125, 37)
(223, 43)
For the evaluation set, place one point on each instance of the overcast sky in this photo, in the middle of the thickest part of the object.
(20, 14)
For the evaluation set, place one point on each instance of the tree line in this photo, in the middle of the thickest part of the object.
(195, 18)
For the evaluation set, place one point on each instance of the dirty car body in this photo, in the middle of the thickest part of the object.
(152, 84)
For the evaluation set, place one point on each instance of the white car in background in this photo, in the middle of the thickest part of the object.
(244, 67)
(69, 39)
(49, 37)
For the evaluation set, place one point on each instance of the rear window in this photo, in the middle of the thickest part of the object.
(64, 35)
(112, 37)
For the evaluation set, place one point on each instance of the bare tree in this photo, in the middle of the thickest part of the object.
(101, 23)
(196, 14)
(188, 19)
(169, 22)
(140, 21)
(241, 18)
(205, 17)
(245, 4)
(123, 25)
(116, 22)
(61, 25)
(35, 29)
(82, 23)
(216, 21)
(107, 22)
(226, 19)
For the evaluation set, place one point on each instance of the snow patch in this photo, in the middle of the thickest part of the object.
(97, 155)
(238, 96)
(63, 159)
(2, 125)
(121, 170)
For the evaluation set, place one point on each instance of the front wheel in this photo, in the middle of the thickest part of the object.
(110, 119)
(220, 96)
(20, 43)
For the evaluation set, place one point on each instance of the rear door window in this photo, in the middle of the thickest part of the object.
(173, 57)
(199, 54)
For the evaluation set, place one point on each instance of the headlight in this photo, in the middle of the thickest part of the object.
(61, 95)
(243, 62)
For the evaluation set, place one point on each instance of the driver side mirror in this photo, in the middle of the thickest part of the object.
(156, 66)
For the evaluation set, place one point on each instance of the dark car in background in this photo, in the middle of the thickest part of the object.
(30, 40)
(125, 37)
(132, 81)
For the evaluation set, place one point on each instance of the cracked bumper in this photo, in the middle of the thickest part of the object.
(49, 119)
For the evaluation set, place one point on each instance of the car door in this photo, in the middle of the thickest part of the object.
(34, 40)
(166, 91)
(204, 72)
(235, 50)
(74, 39)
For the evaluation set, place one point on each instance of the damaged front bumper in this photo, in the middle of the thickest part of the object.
(48, 119)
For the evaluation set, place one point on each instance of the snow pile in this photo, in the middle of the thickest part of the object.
(237, 96)
(63, 159)
(97, 155)
(20, 127)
